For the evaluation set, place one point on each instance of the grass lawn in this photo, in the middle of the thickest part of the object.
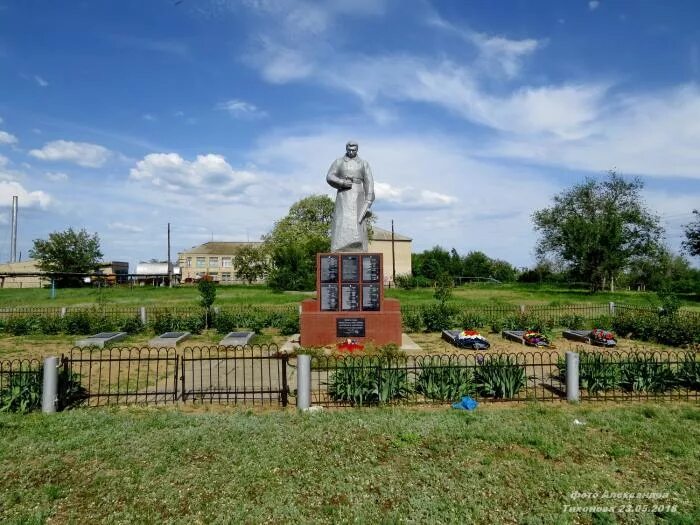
(500, 464)
(472, 294)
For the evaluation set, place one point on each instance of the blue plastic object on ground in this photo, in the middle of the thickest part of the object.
(467, 403)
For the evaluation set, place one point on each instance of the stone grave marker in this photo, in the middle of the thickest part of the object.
(101, 339)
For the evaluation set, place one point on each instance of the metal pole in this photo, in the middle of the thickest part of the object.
(53, 288)
(393, 255)
(572, 389)
(170, 267)
(13, 246)
(49, 392)
(303, 382)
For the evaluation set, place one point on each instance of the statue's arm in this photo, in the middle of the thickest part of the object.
(334, 179)
(369, 193)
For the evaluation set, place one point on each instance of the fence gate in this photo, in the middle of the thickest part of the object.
(254, 375)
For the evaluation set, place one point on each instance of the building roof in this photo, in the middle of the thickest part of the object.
(219, 248)
(380, 234)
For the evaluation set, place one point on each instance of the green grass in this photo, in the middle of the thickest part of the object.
(496, 465)
(474, 294)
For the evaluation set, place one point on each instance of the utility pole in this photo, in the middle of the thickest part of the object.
(13, 244)
(170, 266)
(393, 255)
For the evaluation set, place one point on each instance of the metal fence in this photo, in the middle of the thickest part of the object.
(261, 375)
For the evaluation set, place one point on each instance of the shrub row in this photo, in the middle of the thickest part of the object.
(256, 319)
(635, 373)
(673, 329)
(73, 323)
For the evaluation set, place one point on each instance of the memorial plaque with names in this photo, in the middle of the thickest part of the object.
(371, 268)
(350, 268)
(350, 327)
(371, 297)
(350, 297)
(329, 297)
(329, 269)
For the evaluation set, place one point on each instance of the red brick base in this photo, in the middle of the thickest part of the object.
(319, 328)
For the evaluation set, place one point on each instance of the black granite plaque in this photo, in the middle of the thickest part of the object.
(350, 327)
(350, 297)
(329, 297)
(350, 268)
(370, 297)
(371, 270)
(329, 269)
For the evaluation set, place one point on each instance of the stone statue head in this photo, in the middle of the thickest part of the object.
(351, 149)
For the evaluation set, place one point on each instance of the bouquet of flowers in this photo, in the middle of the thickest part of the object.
(471, 339)
(535, 338)
(350, 345)
(603, 337)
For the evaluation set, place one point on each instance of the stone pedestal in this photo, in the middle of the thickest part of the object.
(349, 302)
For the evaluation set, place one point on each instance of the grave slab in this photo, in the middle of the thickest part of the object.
(101, 339)
(168, 339)
(237, 339)
(584, 336)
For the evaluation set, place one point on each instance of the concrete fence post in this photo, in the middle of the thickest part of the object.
(49, 390)
(63, 312)
(303, 382)
(522, 309)
(142, 314)
(572, 387)
(611, 308)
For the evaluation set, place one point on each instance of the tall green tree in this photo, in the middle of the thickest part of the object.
(692, 235)
(598, 227)
(250, 263)
(68, 252)
(295, 240)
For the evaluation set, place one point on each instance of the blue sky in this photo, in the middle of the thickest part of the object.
(215, 116)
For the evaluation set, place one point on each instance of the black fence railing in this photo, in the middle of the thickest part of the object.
(261, 375)
(254, 375)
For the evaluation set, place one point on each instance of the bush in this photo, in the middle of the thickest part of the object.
(169, 322)
(50, 325)
(372, 381)
(23, 325)
(251, 319)
(406, 282)
(688, 372)
(130, 325)
(24, 388)
(412, 319)
(572, 321)
(289, 324)
(500, 377)
(438, 317)
(77, 323)
(472, 321)
(444, 381)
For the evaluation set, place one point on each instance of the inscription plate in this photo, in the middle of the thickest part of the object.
(370, 297)
(329, 297)
(329, 269)
(350, 327)
(350, 268)
(371, 270)
(350, 297)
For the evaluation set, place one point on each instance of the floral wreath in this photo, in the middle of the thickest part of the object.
(535, 338)
(350, 345)
(605, 337)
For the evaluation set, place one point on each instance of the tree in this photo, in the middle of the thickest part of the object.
(250, 264)
(597, 228)
(692, 235)
(68, 252)
(295, 240)
(477, 264)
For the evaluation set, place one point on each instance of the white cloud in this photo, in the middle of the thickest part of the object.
(149, 117)
(56, 176)
(412, 198)
(40, 81)
(120, 226)
(210, 174)
(504, 51)
(31, 199)
(7, 138)
(4, 161)
(241, 109)
(81, 153)
(654, 134)
(593, 5)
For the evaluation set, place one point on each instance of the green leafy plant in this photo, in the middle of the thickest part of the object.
(688, 373)
(23, 391)
(646, 373)
(500, 377)
(372, 381)
(167, 321)
(444, 381)
(572, 321)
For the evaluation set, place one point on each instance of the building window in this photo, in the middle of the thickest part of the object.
(226, 262)
(201, 262)
(188, 262)
(213, 262)
(226, 277)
